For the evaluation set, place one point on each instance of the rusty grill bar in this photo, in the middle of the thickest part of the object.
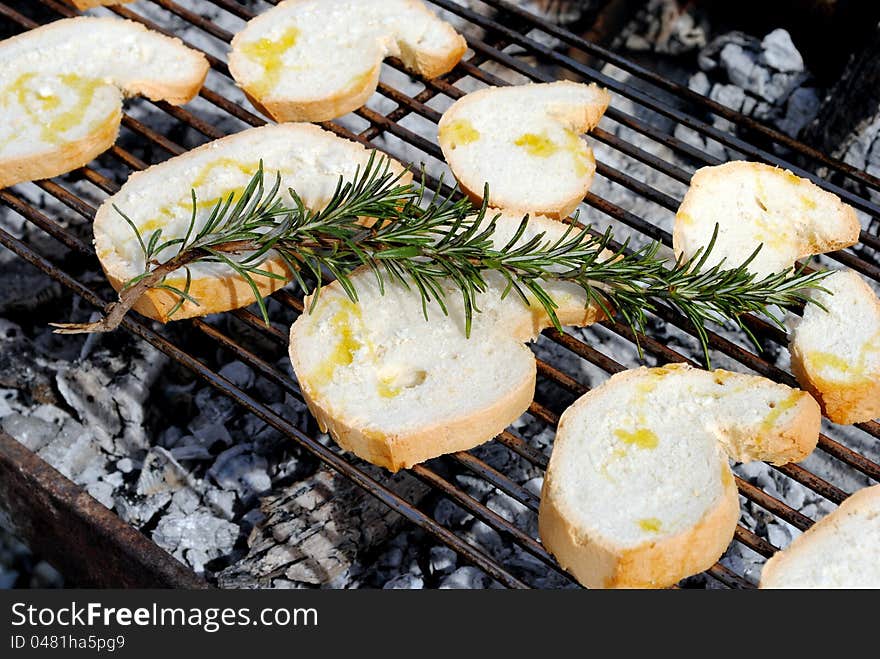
(490, 48)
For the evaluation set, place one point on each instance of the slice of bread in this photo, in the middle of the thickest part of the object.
(835, 352)
(639, 493)
(89, 4)
(756, 204)
(396, 389)
(309, 159)
(315, 60)
(61, 89)
(838, 552)
(526, 143)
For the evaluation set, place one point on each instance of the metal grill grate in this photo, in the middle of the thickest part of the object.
(655, 99)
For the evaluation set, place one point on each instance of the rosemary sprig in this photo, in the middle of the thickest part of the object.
(390, 227)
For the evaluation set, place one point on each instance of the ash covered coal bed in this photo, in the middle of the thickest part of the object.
(230, 497)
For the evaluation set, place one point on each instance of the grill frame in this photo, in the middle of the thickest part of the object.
(486, 49)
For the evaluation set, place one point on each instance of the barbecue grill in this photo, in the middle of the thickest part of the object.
(26, 484)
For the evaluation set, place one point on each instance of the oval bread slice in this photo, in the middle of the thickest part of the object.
(61, 89)
(756, 204)
(309, 159)
(525, 142)
(639, 493)
(396, 389)
(840, 551)
(835, 351)
(315, 60)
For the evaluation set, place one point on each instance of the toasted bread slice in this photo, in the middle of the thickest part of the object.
(309, 160)
(397, 389)
(315, 60)
(840, 551)
(639, 493)
(61, 89)
(756, 204)
(525, 142)
(835, 351)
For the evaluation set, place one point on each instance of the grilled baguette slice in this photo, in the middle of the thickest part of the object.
(315, 60)
(835, 351)
(89, 4)
(756, 204)
(310, 161)
(525, 142)
(840, 551)
(397, 389)
(639, 493)
(61, 89)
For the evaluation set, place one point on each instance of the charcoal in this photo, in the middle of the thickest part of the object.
(442, 560)
(196, 537)
(466, 577)
(31, 431)
(238, 374)
(161, 473)
(779, 535)
(513, 511)
(242, 471)
(314, 530)
(404, 582)
(450, 514)
(779, 52)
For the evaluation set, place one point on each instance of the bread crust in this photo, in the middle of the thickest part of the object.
(348, 99)
(89, 4)
(215, 294)
(71, 155)
(841, 402)
(581, 119)
(65, 158)
(775, 567)
(318, 109)
(597, 563)
(403, 450)
(853, 401)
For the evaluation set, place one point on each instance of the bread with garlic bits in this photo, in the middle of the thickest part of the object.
(839, 551)
(756, 204)
(639, 493)
(310, 161)
(397, 389)
(835, 348)
(62, 85)
(525, 143)
(315, 60)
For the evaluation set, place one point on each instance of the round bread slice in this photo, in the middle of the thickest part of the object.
(756, 204)
(639, 493)
(397, 389)
(309, 160)
(835, 351)
(840, 551)
(315, 60)
(61, 89)
(525, 142)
